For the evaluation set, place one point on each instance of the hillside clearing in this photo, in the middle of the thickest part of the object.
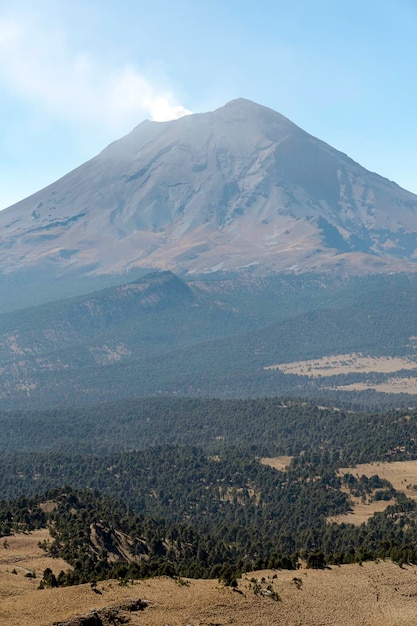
(278, 462)
(361, 512)
(401, 474)
(391, 385)
(337, 364)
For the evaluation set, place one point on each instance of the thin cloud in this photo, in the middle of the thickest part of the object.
(39, 66)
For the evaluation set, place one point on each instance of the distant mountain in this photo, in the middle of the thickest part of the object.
(235, 188)
(90, 332)
(160, 335)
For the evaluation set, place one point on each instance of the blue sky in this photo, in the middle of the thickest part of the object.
(75, 76)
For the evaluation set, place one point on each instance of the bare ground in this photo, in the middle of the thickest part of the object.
(278, 462)
(380, 594)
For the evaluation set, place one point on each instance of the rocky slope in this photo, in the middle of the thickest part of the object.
(238, 187)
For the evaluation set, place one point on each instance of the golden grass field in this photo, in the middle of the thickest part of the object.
(337, 364)
(361, 512)
(391, 385)
(380, 594)
(401, 474)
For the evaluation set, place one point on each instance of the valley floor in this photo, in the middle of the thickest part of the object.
(371, 594)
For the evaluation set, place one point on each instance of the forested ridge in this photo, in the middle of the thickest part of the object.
(161, 335)
(271, 426)
(177, 487)
(228, 516)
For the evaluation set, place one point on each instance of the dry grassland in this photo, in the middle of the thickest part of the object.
(392, 385)
(361, 512)
(401, 474)
(372, 594)
(24, 555)
(279, 462)
(337, 364)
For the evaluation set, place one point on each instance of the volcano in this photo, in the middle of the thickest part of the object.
(238, 188)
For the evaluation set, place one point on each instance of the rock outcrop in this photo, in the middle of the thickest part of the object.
(109, 616)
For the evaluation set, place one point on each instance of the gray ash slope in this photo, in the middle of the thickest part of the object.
(238, 187)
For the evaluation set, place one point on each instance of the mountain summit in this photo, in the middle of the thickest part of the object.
(238, 187)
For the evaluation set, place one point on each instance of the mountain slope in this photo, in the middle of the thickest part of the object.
(160, 335)
(241, 186)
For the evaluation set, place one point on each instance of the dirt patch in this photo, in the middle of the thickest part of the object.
(337, 364)
(279, 462)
